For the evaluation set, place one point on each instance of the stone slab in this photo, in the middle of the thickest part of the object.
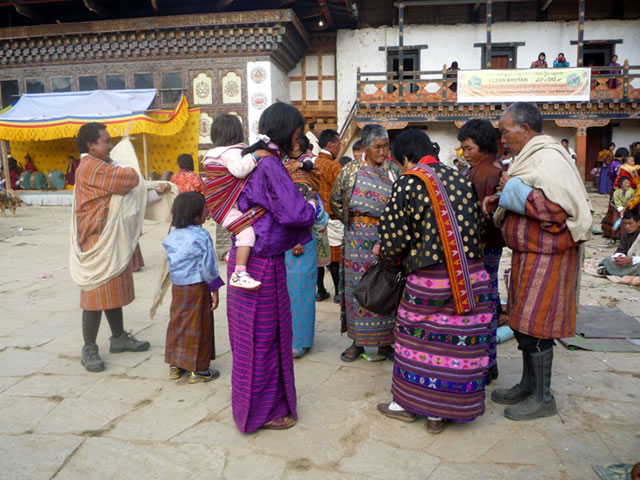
(19, 363)
(35, 456)
(81, 416)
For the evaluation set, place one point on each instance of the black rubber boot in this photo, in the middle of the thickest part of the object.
(520, 391)
(541, 402)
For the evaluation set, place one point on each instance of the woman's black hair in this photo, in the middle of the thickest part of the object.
(186, 209)
(637, 157)
(278, 122)
(412, 144)
(226, 129)
(344, 160)
(542, 53)
(621, 152)
(89, 133)
(185, 161)
(13, 164)
(611, 143)
(482, 133)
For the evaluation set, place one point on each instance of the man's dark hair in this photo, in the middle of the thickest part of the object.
(357, 146)
(312, 125)
(611, 143)
(412, 144)
(633, 214)
(526, 113)
(89, 133)
(326, 137)
(480, 132)
(564, 140)
(226, 129)
(621, 152)
(187, 207)
(185, 161)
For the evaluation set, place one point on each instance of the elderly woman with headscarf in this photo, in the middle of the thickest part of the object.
(359, 197)
(432, 225)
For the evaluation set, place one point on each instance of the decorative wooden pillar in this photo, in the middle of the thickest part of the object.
(489, 26)
(581, 34)
(581, 125)
(581, 151)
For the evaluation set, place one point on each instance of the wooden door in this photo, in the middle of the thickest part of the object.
(595, 142)
(499, 62)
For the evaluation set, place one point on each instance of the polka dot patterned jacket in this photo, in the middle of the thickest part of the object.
(408, 230)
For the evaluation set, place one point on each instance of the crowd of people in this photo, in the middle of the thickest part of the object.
(292, 214)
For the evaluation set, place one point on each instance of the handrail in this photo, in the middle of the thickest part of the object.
(350, 115)
(440, 86)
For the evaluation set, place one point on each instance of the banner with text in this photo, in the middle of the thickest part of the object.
(529, 85)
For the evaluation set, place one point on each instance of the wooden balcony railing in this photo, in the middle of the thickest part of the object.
(440, 86)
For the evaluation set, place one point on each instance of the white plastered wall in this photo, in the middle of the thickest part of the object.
(446, 43)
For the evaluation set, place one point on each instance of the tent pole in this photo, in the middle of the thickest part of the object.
(5, 164)
(145, 149)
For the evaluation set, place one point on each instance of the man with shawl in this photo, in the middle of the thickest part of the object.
(101, 251)
(545, 214)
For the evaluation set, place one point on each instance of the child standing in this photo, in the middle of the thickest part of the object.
(227, 137)
(190, 345)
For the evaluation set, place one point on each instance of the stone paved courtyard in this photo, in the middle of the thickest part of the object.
(131, 421)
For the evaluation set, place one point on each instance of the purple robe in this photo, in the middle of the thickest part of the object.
(614, 166)
(260, 332)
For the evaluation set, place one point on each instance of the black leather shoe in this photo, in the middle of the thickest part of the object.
(322, 296)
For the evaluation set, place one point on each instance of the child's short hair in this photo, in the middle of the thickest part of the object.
(187, 207)
(226, 129)
(185, 161)
(624, 179)
(633, 214)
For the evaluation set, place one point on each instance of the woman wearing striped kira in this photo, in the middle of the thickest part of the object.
(432, 226)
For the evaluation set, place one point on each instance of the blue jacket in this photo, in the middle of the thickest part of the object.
(192, 258)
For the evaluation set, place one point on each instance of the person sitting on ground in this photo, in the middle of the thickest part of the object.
(186, 179)
(29, 166)
(623, 194)
(227, 173)
(626, 259)
(561, 61)
(570, 151)
(541, 62)
(190, 344)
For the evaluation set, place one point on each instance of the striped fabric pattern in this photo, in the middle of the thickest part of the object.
(544, 270)
(450, 237)
(441, 357)
(190, 336)
(260, 333)
(96, 181)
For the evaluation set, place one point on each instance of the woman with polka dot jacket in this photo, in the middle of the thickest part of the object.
(432, 225)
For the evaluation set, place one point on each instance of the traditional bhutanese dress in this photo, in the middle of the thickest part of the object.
(302, 270)
(442, 333)
(369, 197)
(544, 269)
(260, 332)
(96, 181)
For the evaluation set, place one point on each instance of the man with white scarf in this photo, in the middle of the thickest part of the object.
(544, 214)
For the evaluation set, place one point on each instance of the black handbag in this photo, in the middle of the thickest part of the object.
(380, 288)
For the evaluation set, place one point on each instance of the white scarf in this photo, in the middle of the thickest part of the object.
(545, 164)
